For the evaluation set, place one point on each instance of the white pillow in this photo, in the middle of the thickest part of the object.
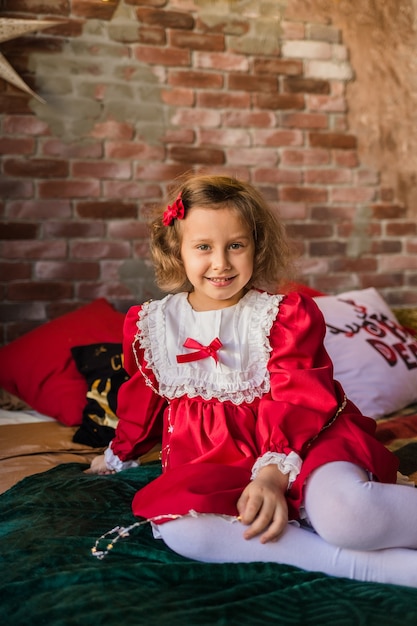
(374, 358)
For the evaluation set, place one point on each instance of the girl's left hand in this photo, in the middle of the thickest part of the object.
(263, 506)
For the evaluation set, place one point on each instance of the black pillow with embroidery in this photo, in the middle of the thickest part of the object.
(102, 366)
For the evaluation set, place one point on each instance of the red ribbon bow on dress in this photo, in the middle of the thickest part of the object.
(203, 352)
(173, 211)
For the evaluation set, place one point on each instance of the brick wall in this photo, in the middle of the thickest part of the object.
(139, 92)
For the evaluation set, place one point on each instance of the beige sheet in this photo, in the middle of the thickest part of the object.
(30, 448)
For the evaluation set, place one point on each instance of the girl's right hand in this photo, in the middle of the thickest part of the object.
(98, 466)
(263, 506)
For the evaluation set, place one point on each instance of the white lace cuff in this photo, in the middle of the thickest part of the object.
(114, 463)
(287, 464)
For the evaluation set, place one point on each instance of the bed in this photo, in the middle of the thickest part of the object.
(52, 512)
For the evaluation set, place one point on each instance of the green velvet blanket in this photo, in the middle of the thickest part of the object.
(50, 521)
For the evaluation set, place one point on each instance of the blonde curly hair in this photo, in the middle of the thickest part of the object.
(273, 253)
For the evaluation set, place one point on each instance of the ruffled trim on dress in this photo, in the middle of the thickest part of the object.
(235, 386)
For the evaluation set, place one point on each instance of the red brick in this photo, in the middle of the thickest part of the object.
(246, 82)
(391, 263)
(252, 156)
(100, 169)
(209, 156)
(197, 41)
(10, 188)
(401, 229)
(348, 264)
(14, 102)
(67, 270)
(36, 168)
(287, 67)
(40, 209)
(327, 248)
(128, 230)
(305, 120)
(221, 61)
(15, 230)
(411, 246)
(93, 10)
(387, 246)
(46, 7)
(332, 140)
(348, 158)
(133, 189)
(306, 85)
(15, 270)
(100, 250)
(310, 231)
(153, 55)
(107, 290)
(349, 229)
(24, 125)
(151, 36)
(69, 188)
(303, 194)
(73, 230)
(328, 176)
(17, 145)
(280, 101)
(380, 281)
(33, 249)
(133, 150)
(259, 119)
(334, 284)
(165, 19)
(224, 137)
(111, 129)
(196, 80)
(329, 104)
(278, 137)
(277, 175)
(352, 194)
(388, 211)
(178, 97)
(223, 100)
(159, 172)
(196, 117)
(37, 290)
(10, 312)
(305, 156)
(401, 297)
(333, 213)
(150, 3)
(107, 210)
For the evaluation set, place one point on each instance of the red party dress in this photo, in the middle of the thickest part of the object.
(255, 382)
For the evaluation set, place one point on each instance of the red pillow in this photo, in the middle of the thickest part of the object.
(38, 367)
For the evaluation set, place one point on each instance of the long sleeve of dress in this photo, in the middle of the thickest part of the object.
(303, 396)
(139, 406)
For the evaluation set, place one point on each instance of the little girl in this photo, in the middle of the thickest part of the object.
(264, 458)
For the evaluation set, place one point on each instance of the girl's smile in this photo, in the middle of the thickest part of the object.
(217, 250)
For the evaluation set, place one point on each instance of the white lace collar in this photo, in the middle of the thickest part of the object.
(241, 374)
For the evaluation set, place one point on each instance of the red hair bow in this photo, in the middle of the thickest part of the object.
(173, 211)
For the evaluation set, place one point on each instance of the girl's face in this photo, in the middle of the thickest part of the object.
(217, 251)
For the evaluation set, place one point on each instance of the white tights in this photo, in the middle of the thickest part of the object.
(365, 531)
